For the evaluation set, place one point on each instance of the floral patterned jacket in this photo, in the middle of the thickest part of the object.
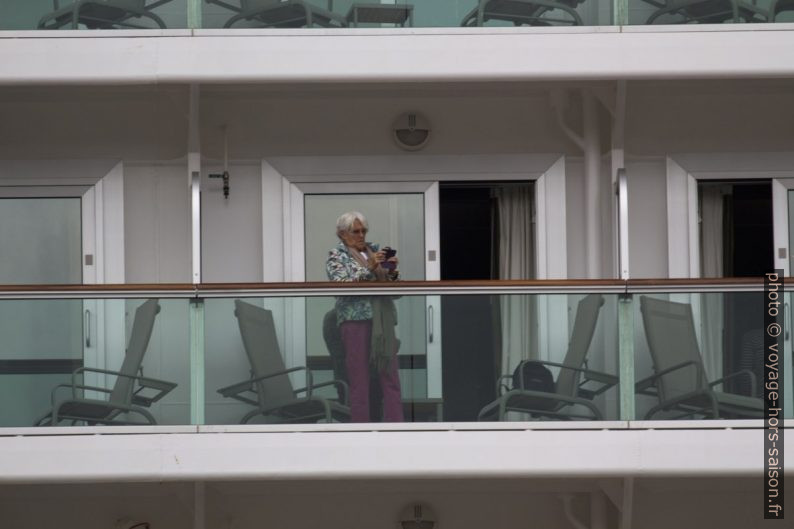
(342, 266)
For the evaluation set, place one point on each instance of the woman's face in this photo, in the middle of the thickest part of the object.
(356, 237)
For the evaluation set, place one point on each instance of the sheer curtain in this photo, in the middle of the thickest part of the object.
(516, 261)
(711, 243)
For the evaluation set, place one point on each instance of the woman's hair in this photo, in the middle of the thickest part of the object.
(345, 222)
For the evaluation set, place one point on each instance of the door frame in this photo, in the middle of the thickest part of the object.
(546, 170)
(279, 174)
(294, 231)
(683, 226)
(683, 233)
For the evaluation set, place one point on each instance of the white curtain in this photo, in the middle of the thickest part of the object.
(515, 262)
(711, 213)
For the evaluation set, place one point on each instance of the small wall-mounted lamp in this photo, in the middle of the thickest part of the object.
(417, 516)
(411, 131)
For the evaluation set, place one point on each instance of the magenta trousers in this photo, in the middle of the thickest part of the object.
(356, 337)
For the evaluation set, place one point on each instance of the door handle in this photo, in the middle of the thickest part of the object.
(786, 322)
(87, 328)
(430, 324)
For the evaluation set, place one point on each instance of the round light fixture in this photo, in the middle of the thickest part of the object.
(411, 131)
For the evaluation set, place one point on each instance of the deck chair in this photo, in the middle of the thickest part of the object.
(282, 14)
(101, 14)
(131, 393)
(525, 13)
(269, 389)
(569, 388)
(706, 11)
(679, 379)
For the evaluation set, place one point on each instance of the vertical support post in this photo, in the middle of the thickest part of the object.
(592, 185)
(194, 14)
(195, 225)
(199, 500)
(627, 512)
(197, 361)
(623, 224)
(618, 164)
(194, 181)
(626, 356)
(598, 510)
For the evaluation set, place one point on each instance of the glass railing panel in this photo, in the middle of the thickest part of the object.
(461, 357)
(108, 14)
(94, 361)
(699, 355)
(661, 12)
(391, 14)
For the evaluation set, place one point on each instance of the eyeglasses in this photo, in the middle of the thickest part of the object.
(362, 231)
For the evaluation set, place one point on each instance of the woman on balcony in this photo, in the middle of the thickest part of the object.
(366, 324)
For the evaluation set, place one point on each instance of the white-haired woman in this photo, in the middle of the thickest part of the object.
(366, 324)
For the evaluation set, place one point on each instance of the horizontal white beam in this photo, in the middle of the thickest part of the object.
(262, 455)
(411, 55)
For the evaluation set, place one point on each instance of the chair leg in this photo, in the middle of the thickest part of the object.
(76, 14)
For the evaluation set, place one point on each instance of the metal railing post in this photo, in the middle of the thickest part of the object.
(626, 356)
(194, 14)
(197, 400)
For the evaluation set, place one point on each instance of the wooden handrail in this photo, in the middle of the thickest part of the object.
(190, 290)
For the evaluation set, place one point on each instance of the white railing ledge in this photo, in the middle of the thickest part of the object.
(514, 426)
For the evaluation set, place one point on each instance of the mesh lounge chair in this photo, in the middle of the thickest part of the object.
(129, 393)
(269, 389)
(101, 14)
(705, 12)
(679, 379)
(569, 387)
(525, 13)
(282, 13)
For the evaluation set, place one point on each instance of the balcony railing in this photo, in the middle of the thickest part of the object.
(481, 352)
(335, 14)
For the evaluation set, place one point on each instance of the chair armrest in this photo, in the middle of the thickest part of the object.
(753, 382)
(74, 387)
(606, 380)
(156, 4)
(230, 7)
(235, 389)
(645, 383)
(597, 376)
(337, 383)
(85, 369)
(501, 387)
(162, 387)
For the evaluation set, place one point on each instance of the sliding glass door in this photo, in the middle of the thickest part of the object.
(402, 216)
(43, 340)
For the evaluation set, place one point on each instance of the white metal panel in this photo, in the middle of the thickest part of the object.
(384, 454)
(550, 224)
(423, 54)
(272, 219)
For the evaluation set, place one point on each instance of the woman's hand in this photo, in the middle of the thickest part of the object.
(375, 259)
